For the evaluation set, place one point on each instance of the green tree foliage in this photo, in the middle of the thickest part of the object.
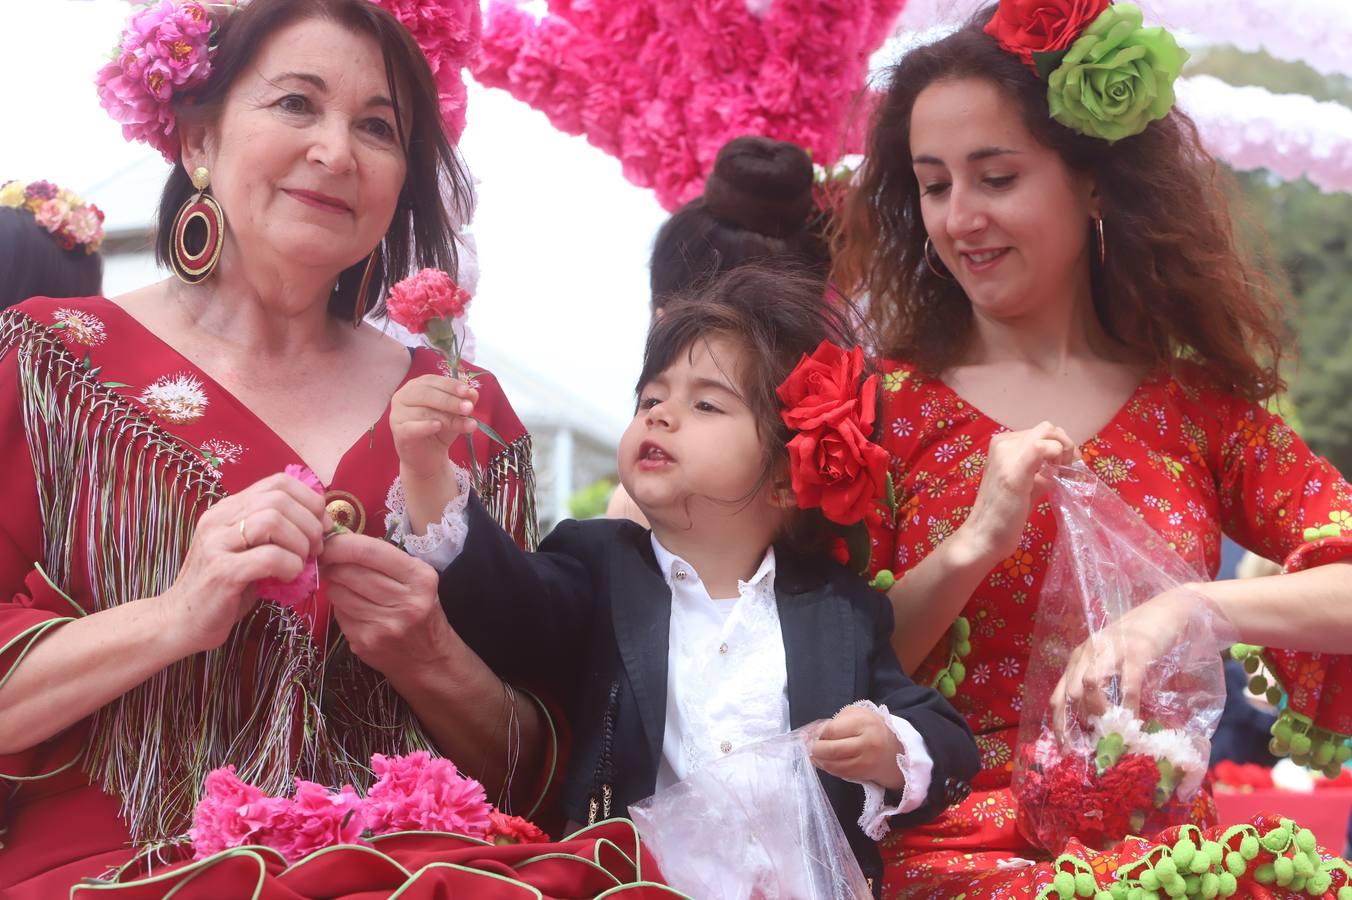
(590, 502)
(1308, 235)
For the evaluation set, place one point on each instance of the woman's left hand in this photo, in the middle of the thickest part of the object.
(1109, 668)
(385, 601)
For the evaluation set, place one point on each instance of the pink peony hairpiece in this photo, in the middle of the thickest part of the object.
(165, 54)
(165, 51)
(73, 222)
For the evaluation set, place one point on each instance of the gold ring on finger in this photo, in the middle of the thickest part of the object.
(243, 536)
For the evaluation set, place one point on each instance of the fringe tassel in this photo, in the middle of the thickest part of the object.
(128, 494)
(507, 489)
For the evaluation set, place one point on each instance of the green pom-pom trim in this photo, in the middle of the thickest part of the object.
(948, 678)
(883, 581)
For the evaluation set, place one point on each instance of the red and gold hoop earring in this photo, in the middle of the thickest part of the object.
(936, 265)
(199, 232)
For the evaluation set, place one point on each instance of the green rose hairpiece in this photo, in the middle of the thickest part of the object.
(1117, 77)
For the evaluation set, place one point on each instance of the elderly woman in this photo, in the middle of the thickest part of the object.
(144, 437)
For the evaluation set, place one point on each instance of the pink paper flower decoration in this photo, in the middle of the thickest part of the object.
(219, 822)
(448, 32)
(663, 84)
(419, 793)
(295, 592)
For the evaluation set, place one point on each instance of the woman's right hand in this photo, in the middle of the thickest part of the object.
(1009, 487)
(266, 530)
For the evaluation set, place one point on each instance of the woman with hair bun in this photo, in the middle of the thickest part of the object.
(757, 205)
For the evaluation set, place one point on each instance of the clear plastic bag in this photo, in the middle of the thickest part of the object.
(1128, 770)
(752, 825)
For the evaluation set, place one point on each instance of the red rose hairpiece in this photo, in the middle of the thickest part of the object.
(1108, 76)
(833, 464)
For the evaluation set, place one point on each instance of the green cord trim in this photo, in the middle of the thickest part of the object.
(52, 584)
(33, 633)
(1293, 734)
(553, 755)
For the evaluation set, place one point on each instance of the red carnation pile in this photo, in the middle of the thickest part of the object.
(1063, 796)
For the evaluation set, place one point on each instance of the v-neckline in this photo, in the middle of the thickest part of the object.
(248, 413)
(1150, 378)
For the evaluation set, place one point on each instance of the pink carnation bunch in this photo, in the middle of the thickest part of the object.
(163, 52)
(296, 591)
(419, 793)
(234, 814)
(416, 792)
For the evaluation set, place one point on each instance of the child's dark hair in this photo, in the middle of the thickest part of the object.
(777, 315)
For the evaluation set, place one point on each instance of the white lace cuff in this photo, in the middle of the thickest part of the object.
(445, 539)
(916, 767)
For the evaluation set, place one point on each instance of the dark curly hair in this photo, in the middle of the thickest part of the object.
(1176, 283)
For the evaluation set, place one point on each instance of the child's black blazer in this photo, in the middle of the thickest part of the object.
(590, 613)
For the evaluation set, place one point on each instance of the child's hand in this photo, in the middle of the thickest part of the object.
(858, 746)
(427, 415)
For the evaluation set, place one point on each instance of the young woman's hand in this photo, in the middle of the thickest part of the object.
(1010, 486)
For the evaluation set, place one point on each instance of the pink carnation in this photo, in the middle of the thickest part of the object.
(429, 294)
(313, 820)
(296, 591)
(419, 793)
(219, 823)
(52, 214)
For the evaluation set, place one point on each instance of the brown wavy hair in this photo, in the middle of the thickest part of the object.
(1175, 284)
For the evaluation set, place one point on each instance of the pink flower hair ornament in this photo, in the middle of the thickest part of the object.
(74, 223)
(165, 55)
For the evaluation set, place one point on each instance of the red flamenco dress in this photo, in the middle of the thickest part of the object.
(1193, 463)
(114, 444)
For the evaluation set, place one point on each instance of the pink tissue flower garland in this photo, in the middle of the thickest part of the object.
(416, 792)
(663, 84)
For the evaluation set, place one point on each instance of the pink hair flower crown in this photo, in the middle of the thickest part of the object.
(166, 53)
(74, 223)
